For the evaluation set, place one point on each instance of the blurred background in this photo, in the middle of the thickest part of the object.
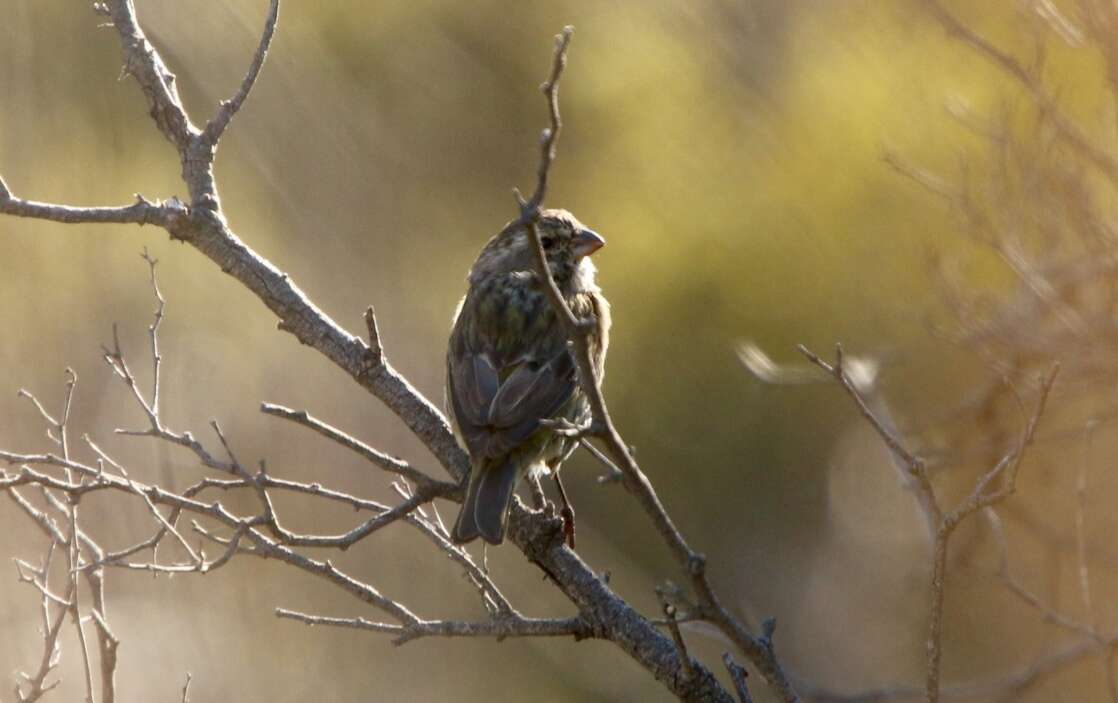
(780, 171)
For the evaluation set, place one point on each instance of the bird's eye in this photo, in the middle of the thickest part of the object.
(548, 242)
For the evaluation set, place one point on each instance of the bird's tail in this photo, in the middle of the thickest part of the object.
(485, 511)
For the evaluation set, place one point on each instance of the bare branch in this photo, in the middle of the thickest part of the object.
(108, 647)
(375, 348)
(143, 62)
(613, 474)
(385, 461)
(758, 649)
(1011, 66)
(1049, 613)
(1007, 468)
(163, 521)
(491, 596)
(153, 332)
(945, 523)
(738, 674)
(511, 626)
(550, 89)
(1107, 655)
(166, 213)
(677, 637)
(915, 463)
(216, 128)
(930, 182)
(36, 683)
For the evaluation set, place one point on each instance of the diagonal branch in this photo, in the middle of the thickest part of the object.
(216, 127)
(143, 62)
(1071, 132)
(204, 227)
(758, 649)
(944, 523)
(384, 461)
(510, 626)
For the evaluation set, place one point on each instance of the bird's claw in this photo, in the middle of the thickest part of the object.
(565, 427)
(567, 513)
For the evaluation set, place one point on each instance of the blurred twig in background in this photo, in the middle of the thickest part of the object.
(1044, 211)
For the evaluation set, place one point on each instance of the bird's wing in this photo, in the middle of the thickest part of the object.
(508, 367)
(530, 393)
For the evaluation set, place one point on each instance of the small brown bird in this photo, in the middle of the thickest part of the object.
(509, 365)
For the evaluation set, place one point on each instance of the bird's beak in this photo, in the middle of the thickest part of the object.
(587, 242)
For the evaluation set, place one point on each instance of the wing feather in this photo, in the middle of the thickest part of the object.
(498, 405)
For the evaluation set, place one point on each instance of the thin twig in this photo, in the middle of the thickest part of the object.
(677, 637)
(512, 626)
(1107, 654)
(739, 675)
(982, 495)
(1011, 66)
(387, 462)
(167, 213)
(1047, 611)
(758, 649)
(153, 331)
(216, 128)
(163, 521)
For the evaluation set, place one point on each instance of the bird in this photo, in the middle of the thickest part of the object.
(511, 369)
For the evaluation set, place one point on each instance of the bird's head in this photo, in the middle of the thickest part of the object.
(567, 245)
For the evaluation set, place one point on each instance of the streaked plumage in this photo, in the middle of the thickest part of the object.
(509, 365)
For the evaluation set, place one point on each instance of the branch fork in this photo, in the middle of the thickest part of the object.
(201, 223)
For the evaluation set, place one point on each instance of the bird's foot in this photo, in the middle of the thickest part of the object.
(567, 513)
(566, 428)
